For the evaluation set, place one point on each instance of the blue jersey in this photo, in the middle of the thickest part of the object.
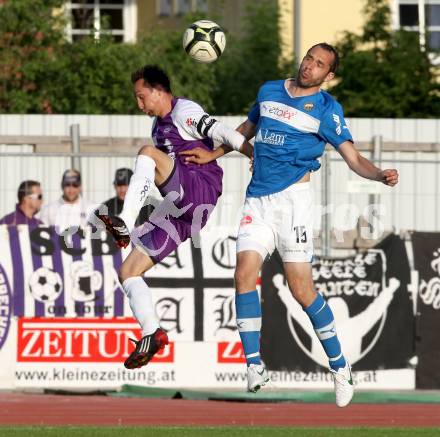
(291, 135)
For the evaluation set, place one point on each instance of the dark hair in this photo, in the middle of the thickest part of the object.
(25, 189)
(153, 76)
(329, 48)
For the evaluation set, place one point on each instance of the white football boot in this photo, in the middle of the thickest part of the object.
(257, 377)
(344, 387)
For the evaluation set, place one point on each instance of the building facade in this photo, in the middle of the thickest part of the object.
(305, 22)
(302, 22)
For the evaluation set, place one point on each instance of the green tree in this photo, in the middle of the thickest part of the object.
(251, 60)
(41, 72)
(385, 73)
(30, 33)
(94, 77)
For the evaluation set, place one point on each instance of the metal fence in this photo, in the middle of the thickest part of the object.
(341, 197)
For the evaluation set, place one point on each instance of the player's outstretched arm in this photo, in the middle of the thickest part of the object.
(365, 168)
(199, 155)
(247, 129)
(229, 143)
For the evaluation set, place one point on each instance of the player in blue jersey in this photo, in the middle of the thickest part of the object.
(291, 120)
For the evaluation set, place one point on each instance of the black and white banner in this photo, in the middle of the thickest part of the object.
(369, 299)
(62, 312)
(426, 279)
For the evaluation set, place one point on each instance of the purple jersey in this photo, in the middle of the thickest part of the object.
(193, 200)
(187, 126)
(19, 218)
(193, 189)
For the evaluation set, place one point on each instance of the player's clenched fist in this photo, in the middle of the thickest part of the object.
(390, 177)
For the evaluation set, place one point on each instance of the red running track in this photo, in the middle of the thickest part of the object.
(38, 409)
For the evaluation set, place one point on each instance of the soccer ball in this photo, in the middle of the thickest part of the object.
(45, 285)
(204, 41)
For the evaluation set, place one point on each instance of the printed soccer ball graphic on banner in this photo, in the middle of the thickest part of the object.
(85, 281)
(204, 41)
(45, 284)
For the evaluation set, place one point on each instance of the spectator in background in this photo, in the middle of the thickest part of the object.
(115, 204)
(30, 199)
(70, 210)
(122, 179)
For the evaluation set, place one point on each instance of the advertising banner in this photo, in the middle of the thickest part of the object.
(426, 280)
(66, 323)
(370, 302)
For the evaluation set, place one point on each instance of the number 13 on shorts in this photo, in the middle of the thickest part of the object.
(297, 244)
(301, 234)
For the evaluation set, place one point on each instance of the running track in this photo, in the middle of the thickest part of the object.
(38, 409)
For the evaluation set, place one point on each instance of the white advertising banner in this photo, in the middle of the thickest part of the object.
(65, 322)
(67, 353)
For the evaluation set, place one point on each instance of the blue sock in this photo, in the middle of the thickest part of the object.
(248, 308)
(323, 321)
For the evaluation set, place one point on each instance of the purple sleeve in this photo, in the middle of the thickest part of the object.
(7, 219)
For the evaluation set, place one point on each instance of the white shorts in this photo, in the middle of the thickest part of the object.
(283, 221)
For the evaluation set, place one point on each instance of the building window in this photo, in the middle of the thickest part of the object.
(409, 15)
(95, 17)
(168, 8)
(421, 16)
(201, 5)
(433, 25)
(164, 7)
(183, 7)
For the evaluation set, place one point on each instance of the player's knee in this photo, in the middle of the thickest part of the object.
(122, 274)
(125, 271)
(302, 292)
(147, 151)
(131, 268)
(245, 280)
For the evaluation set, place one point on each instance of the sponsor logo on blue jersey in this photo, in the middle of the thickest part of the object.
(279, 111)
(337, 121)
(268, 137)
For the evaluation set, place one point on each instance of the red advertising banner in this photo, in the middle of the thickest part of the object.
(80, 340)
(230, 352)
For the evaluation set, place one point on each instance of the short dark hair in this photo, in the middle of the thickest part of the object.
(25, 189)
(153, 76)
(329, 48)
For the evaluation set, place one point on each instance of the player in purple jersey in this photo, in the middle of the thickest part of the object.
(190, 193)
(292, 120)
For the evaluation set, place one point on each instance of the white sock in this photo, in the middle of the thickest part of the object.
(138, 189)
(141, 304)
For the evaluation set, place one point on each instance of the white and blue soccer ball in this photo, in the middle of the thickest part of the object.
(45, 284)
(204, 41)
